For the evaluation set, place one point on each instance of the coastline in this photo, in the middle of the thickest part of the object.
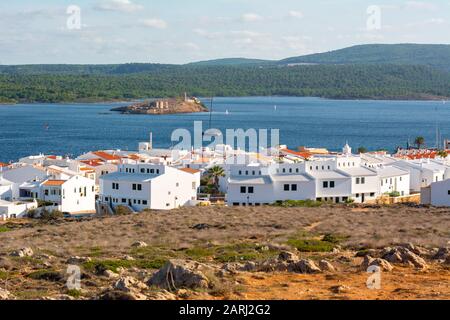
(119, 101)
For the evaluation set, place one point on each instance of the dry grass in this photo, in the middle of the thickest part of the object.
(371, 227)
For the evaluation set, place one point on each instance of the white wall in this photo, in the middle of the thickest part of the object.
(440, 194)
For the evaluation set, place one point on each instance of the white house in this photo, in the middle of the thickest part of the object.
(438, 194)
(424, 172)
(336, 178)
(75, 195)
(13, 210)
(149, 186)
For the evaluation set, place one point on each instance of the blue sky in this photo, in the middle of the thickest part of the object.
(180, 31)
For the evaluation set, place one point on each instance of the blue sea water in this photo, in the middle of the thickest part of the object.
(76, 128)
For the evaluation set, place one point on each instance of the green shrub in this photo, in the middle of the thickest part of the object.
(74, 293)
(48, 275)
(51, 215)
(298, 203)
(122, 211)
(311, 245)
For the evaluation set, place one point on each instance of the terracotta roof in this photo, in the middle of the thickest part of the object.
(93, 162)
(106, 156)
(51, 157)
(189, 170)
(134, 157)
(3, 164)
(304, 155)
(54, 183)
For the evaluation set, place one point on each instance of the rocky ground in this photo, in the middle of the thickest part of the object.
(233, 253)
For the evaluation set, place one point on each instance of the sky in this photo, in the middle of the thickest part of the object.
(182, 31)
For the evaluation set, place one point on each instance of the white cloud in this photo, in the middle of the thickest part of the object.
(155, 23)
(420, 5)
(251, 17)
(118, 5)
(296, 14)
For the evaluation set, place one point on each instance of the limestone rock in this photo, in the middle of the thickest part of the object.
(110, 274)
(139, 244)
(340, 289)
(326, 266)
(129, 284)
(383, 264)
(405, 256)
(5, 294)
(442, 254)
(288, 257)
(22, 253)
(178, 274)
(78, 260)
(304, 266)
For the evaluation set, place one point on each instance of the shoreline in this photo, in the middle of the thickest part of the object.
(99, 102)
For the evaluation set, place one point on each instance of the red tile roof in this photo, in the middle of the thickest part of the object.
(54, 183)
(3, 164)
(189, 170)
(106, 156)
(92, 162)
(304, 155)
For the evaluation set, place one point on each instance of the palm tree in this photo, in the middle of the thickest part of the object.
(442, 154)
(216, 173)
(420, 141)
(362, 150)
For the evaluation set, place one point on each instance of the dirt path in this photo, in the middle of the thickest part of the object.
(401, 284)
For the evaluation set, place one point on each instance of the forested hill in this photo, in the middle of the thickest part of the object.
(434, 55)
(403, 71)
(329, 81)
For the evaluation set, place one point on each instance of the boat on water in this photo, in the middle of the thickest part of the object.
(212, 132)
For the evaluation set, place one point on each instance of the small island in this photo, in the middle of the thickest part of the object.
(165, 106)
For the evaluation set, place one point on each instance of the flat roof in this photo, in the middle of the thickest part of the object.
(121, 176)
(358, 171)
(250, 180)
(327, 175)
(291, 178)
(391, 172)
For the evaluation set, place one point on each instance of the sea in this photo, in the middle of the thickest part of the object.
(73, 129)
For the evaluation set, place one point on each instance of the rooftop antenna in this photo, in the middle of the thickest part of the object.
(151, 140)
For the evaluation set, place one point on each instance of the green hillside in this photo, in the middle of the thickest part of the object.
(435, 55)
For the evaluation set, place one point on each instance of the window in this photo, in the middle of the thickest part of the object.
(357, 195)
(372, 194)
(240, 172)
(325, 184)
(294, 187)
(286, 187)
(358, 180)
(144, 202)
(363, 180)
(254, 173)
(134, 186)
(235, 204)
(332, 184)
(115, 186)
(449, 192)
(139, 187)
(124, 200)
(243, 190)
(142, 170)
(46, 192)
(251, 189)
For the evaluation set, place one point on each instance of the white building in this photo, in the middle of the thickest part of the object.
(13, 210)
(337, 178)
(75, 195)
(149, 186)
(437, 194)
